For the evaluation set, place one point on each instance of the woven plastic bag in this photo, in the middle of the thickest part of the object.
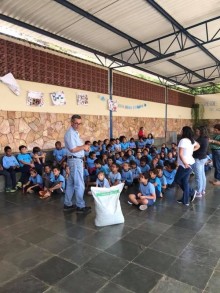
(107, 205)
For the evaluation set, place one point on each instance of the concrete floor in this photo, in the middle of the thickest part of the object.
(168, 248)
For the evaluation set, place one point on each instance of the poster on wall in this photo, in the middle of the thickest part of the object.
(82, 99)
(35, 99)
(112, 105)
(10, 81)
(58, 98)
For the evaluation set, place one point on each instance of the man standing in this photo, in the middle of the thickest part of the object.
(75, 154)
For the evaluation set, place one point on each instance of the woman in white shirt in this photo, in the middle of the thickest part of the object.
(186, 147)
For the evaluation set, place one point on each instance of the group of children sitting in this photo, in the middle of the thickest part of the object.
(108, 163)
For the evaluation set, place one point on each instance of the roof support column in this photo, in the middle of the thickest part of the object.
(110, 92)
(165, 120)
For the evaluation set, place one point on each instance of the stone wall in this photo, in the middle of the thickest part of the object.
(44, 129)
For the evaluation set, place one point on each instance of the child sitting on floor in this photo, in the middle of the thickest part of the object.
(114, 175)
(57, 184)
(162, 178)
(26, 163)
(59, 154)
(34, 184)
(126, 176)
(101, 181)
(169, 172)
(156, 182)
(146, 197)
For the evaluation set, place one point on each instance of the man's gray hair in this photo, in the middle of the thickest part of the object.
(75, 116)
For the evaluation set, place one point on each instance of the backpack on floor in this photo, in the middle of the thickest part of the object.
(107, 205)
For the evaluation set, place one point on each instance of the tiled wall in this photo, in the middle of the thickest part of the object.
(28, 63)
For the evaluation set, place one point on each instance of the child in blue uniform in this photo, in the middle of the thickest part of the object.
(146, 196)
(47, 176)
(114, 175)
(162, 178)
(101, 181)
(34, 184)
(26, 163)
(156, 182)
(59, 154)
(169, 172)
(136, 171)
(126, 176)
(144, 166)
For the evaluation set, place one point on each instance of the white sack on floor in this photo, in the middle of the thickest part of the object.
(107, 205)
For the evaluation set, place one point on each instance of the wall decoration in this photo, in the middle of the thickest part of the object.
(58, 98)
(124, 106)
(35, 99)
(112, 105)
(82, 99)
(10, 81)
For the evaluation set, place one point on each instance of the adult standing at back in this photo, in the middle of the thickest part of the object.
(200, 157)
(215, 147)
(185, 161)
(75, 186)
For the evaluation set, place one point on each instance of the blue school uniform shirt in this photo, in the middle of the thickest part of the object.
(149, 141)
(36, 180)
(117, 147)
(72, 140)
(137, 161)
(90, 162)
(148, 189)
(102, 169)
(103, 183)
(131, 158)
(9, 162)
(136, 172)
(132, 145)
(124, 146)
(24, 157)
(127, 176)
(49, 176)
(119, 162)
(113, 177)
(95, 149)
(156, 180)
(163, 180)
(145, 168)
(85, 174)
(141, 144)
(59, 154)
(169, 175)
(58, 179)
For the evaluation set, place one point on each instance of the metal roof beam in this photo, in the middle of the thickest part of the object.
(182, 29)
(72, 43)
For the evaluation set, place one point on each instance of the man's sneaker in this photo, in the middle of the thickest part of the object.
(11, 190)
(19, 184)
(69, 208)
(142, 207)
(193, 196)
(203, 192)
(84, 210)
(198, 194)
(186, 204)
(179, 201)
(130, 203)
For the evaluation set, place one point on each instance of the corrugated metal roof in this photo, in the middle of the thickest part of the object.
(138, 19)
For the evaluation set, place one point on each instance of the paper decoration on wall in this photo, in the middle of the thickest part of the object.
(58, 98)
(35, 99)
(82, 99)
(10, 81)
(112, 105)
(123, 106)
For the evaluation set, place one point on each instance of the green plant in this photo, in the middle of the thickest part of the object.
(197, 114)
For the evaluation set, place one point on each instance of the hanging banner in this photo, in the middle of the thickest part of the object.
(82, 99)
(11, 83)
(58, 98)
(124, 106)
(112, 105)
(35, 99)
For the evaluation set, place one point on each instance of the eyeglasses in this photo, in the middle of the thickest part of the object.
(76, 123)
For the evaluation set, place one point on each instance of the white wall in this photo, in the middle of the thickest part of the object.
(211, 104)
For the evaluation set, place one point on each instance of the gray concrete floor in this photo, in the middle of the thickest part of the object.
(167, 248)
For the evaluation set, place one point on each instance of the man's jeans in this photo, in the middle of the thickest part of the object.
(199, 170)
(216, 163)
(75, 185)
(182, 179)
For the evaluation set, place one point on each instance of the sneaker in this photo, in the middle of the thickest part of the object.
(142, 207)
(186, 204)
(179, 201)
(203, 192)
(19, 184)
(12, 190)
(130, 203)
(198, 194)
(125, 187)
(84, 210)
(193, 196)
(69, 208)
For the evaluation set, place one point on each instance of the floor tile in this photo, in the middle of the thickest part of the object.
(24, 284)
(154, 227)
(125, 249)
(79, 253)
(169, 245)
(37, 235)
(179, 233)
(56, 243)
(98, 265)
(188, 224)
(206, 242)
(213, 285)
(82, 281)
(200, 256)
(140, 237)
(7, 271)
(169, 285)
(114, 288)
(100, 240)
(116, 230)
(155, 260)
(137, 279)
(214, 220)
(12, 248)
(190, 273)
(77, 232)
(53, 270)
